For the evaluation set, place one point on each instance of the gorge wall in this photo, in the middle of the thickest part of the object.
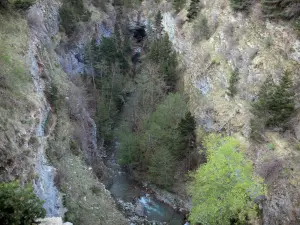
(48, 135)
(257, 48)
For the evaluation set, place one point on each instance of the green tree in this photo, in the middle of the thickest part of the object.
(157, 23)
(71, 13)
(285, 9)
(19, 205)
(187, 127)
(161, 129)
(275, 103)
(161, 52)
(193, 9)
(239, 4)
(234, 78)
(223, 189)
(161, 168)
(178, 4)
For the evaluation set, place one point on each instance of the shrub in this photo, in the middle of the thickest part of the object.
(201, 30)
(297, 23)
(284, 9)
(72, 12)
(193, 9)
(19, 205)
(23, 4)
(234, 78)
(178, 4)
(239, 4)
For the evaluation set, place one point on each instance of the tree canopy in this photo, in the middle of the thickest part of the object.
(223, 189)
(19, 205)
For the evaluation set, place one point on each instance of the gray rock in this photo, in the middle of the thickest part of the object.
(139, 210)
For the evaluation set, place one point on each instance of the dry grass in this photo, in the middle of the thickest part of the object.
(17, 101)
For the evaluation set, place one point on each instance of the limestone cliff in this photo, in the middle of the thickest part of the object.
(258, 48)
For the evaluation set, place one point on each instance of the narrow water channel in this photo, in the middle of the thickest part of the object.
(124, 188)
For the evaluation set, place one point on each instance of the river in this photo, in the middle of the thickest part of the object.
(129, 191)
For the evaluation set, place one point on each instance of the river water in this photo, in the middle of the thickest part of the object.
(123, 187)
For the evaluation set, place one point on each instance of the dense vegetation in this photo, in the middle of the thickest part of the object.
(274, 106)
(239, 4)
(71, 13)
(178, 4)
(17, 4)
(224, 188)
(161, 53)
(110, 67)
(19, 205)
(161, 131)
(193, 9)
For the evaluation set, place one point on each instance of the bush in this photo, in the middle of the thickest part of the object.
(201, 30)
(19, 205)
(178, 4)
(23, 4)
(239, 4)
(284, 9)
(234, 78)
(72, 12)
(193, 9)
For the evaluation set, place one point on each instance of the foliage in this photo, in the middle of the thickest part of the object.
(275, 102)
(161, 168)
(71, 13)
(239, 4)
(234, 78)
(129, 146)
(178, 4)
(157, 23)
(285, 9)
(187, 127)
(161, 139)
(201, 30)
(193, 9)
(161, 52)
(223, 189)
(161, 128)
(109, 65)
(19, 205)
(297, 23)
(17, 4)
(51, 93)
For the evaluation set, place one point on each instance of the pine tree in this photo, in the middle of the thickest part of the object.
(157, 24)
(274, 106)
(239, 4)
(193, 9)
(162, 53)
(187, 127)
(178, 4)
(282, 103)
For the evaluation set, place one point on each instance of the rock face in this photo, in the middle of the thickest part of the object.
(53, 221)
(257, 48)
(139, 210)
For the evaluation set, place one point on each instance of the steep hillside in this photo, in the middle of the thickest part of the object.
(220, 42)
(38, 131)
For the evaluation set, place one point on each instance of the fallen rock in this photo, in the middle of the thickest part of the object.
(139, 210)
